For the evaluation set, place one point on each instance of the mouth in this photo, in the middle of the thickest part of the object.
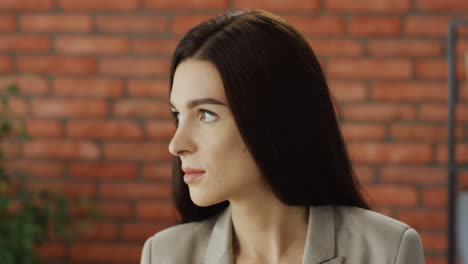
(192, 177)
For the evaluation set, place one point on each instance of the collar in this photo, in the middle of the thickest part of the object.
(319, 247)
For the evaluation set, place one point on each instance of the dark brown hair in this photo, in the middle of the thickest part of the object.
(282, 106)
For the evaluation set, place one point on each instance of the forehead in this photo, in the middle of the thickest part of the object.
(195, 79)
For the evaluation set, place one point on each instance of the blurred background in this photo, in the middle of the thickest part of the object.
(93, 81)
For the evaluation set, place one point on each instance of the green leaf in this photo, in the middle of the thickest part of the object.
(6, 257)
(5, 202)
(13, 88)
(24, 134)
(5, 126)
(4, 100)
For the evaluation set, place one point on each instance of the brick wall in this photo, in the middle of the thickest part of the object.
(97, 108)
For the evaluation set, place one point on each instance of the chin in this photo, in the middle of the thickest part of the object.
(203, 200)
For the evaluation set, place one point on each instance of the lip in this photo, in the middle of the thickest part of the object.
(192, 177)
(192, 170)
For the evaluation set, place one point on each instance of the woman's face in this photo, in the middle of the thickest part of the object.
(207, 137)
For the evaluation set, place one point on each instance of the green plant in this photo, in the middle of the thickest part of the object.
(29, 218)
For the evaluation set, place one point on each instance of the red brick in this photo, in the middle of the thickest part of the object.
(426, 25)
(390, 195)
(374, 26)
(155, 211)
(61, 149)
(69, 107)
(154, 46)
(358, 131)
(434, 241)
(6, 64)
(42, 169)
(91, 5)
(438, 112)
(17, 106)
(368, 5)
(53, 64)
(133, 24)
(347, 91)
(436, 69)
(161, 171)
(148, 88)
(56, 23)
(27, 84)
(423, 219)
(26, 5)
(44, 128)
(11, 149)
(141, 108)
(104, 129)
(370, 68)
(463, 91)
(461, 153)
(421, 132)
(435, 260)
(98, 231)
(400, 153)
(409, 91)
(137, 151)
(130, 190)
(92, 87)
(114, 252)
(134, 66)
(115, 209)
(414, 174)
(442, 5)
(343, 47)
(69, 189)
(435, 197)
(272, 5)
(182, 23)
(51, 250)
(404, 48)
(365, 174)
(378, 112)
(8, 23)
(461, 47)
(463, 180)
(186, 4)
(160, 130)
(24, 43)
(317, 25)
(107, 170)
(92, 45)
(142, 231)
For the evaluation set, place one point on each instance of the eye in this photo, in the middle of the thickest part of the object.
(207, 116)
(210, 119)
(175, 115)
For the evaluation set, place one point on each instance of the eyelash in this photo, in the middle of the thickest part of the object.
(174, 115)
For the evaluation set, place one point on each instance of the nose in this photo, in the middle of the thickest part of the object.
(182, 141)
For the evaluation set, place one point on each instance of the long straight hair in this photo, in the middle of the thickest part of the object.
(282, 106)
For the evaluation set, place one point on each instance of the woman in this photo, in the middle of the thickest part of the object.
(267, 176)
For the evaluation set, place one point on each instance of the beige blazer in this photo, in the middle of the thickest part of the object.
(335, 235)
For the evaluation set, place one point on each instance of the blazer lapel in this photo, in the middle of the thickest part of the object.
(219, 250)
(319, 248)
(320, 243)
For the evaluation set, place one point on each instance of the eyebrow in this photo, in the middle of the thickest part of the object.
(201, 101)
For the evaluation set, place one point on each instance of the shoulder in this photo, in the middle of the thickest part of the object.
(378, 235)
(188, 239)
(368, 220)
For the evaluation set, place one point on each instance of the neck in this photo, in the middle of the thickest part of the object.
(266, 229)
